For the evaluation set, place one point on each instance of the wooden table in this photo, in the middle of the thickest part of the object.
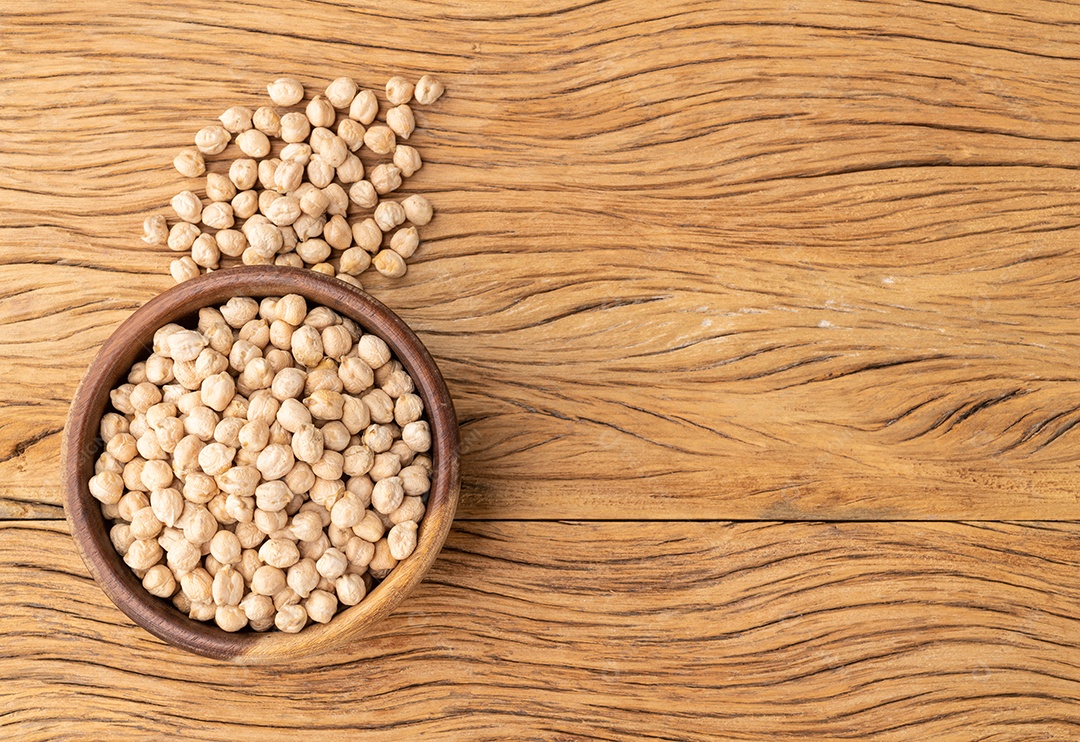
(761, 321)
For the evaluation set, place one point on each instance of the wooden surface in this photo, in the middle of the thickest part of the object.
(693, 263)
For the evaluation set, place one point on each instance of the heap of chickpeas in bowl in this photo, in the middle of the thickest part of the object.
(266, 467)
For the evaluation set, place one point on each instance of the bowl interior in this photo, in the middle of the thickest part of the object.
(133, 340)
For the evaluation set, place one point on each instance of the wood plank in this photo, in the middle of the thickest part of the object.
(611, 631)
(692, 260)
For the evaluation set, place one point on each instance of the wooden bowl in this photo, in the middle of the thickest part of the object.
(133, 340)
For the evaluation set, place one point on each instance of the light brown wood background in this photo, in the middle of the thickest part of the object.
(762, 323)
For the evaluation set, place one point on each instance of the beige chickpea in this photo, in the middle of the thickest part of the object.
(107, 487)
(240, 480)
(390, 264)
(197, 584)
(407, 160)
(352, 133)
(279, 435)
(148, 446)
(204, 250)
(236, 119)
(364, 107)
(293, 415)
(182, 236)
(313, 203)
(402, 540)
(122, 447)
(218, 390)
(266, 120)
(268, 579)
(267, 170)
(244, 205)
(325, 404)
(388, 215)
(144, 524)
(307, 444)
(313, 251)
(387, 495)
(285, 91)
(337, 233)
(384, 466)
(385, 178)
(415, 481)
(227, 587)
(155, 230)
(143, 554)
(428, 90)
(411, 509)
(225, 547)
(407, 409)
(320, 112)
(279, 552)
(380, 406)
(397, 382)
(190, 162)
(347, 512)
(200, 526)
(367, 234)
(320, 173)
(338, 200)
(378, 438)
(288, 382)
(354, 261)
(383, 562)
(240, 508)
(249, 563)
(315, 548)
(181, 555)
(373, 351)
(334, 151)
(332, 563)
(380, 139)
(202, 610)
(254, 435)
(249, 536)
(144, 395)
(356, 374)
(303, 577)
(289, 260)
(257, 607)
(288, 176)
(405, 241)
(363, 194)
(417, 435)
(295, 127)
(256, 332)
(350, 589)
(113, 424)
(156, 474)
(231, 242)
(218, 215)
(238, 311)
(159, 581)
(424, 462)
(296, 152)
(351, 170)
(273, 496)
(418, 209)
(275, 461)
(253, 143)
(307, 346)
(321, 606)
(306, 525)
(216, 458)
(401, 121)
(357, 460)
(107, 463)
(326, 492)
(341, 92)
(230, 618)
(132, 475)
(329, 465)
(199, 488)
(283, 211)
(201, 421)
(291, 619)
(335, 436)
(184, 269)
(228, 431)
(212, 140)
(398, 90)
(187, 207)
(167, 504)
(323, 376)
(256, 375)
(272, 523)
(241, 354)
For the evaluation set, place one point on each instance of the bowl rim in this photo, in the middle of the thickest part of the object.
(132, 339)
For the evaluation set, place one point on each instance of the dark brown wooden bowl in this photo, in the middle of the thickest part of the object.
(133, 340)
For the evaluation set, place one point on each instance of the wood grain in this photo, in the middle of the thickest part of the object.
(692, 260)
(690, 631)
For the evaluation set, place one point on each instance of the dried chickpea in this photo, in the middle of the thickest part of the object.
(266, 120)
(389, 214)
(401, 121)
(407, 160)
(417, 210)
(285, 91)
(190, 162)
(380, 139)
(385, 178)
(212, 140)
(364, 107)
(398, 90)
